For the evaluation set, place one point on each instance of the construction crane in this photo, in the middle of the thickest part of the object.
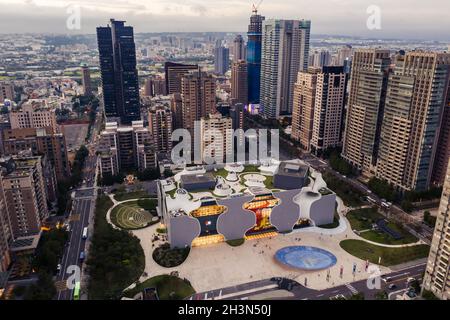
(255, 7)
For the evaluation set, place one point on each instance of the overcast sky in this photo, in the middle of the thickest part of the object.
(412, 19)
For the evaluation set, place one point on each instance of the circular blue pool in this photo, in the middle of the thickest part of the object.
(305, 258)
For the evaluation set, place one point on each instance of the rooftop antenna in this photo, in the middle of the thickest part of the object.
(255, 7)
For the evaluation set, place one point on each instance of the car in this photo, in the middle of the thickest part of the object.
(392, 286)
(387, 279)
(82, 256)
(58, 267)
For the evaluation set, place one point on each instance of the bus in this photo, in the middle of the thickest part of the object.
(85, 233)
(76, 291)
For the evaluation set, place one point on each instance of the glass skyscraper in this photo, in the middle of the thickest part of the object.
(254, 56)
(120, 84)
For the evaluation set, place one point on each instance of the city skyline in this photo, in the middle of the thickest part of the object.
(340, 17)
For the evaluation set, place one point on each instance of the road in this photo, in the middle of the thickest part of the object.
(300, 292)
(80, 217)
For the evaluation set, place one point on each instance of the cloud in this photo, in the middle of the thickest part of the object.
(400, 18)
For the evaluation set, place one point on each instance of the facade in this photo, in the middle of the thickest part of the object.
(370, 71)
(120, 86)
(160, 126)
(238, 48)
(198, 96)
(216, 138)
(329, 109)
(5, 232)
(123, 148)
(437, 272)
(6, 92)
(33, 115)
(155, 86)
(221, 60)
(320, 59)
(176, 106)
(173, 74)
(39, 141)
(239, 82)
(86, 80)
(25, 192)
(443, 151)
(285, 51)
(415, 101)
(254, 56)
(303, 107)
(237, 116)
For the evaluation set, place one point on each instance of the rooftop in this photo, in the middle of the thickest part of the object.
(292, 169)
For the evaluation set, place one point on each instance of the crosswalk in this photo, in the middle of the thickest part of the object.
(351, 288)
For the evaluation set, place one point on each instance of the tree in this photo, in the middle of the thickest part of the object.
(44, 289)
(406, 205)
(381, 295)
(383, 189)
(357, 296)
(168, 173)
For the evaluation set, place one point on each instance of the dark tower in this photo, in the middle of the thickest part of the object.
(254, 56)
(117, 53)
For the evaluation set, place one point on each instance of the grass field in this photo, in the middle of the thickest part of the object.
(362, 219)
(389, 256)
(168, 287)
(134, 214)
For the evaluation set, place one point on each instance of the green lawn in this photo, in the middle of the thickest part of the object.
(362, 219)
(389, 256)
(123, 195)
(168, 287)
(134, 215)
(382, 237)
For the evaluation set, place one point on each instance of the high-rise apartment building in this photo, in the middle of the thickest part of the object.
(239, 82)
(25, 192)
(176, 106)
(33, 115)
(6, 92)
(39, 141)
(303, 109)
(123, 148)
(5, 232)
(237, 116)
(155, 86)
(443, 150)
(329, 108)
(216, 138)
(285, 51)
(160, 125)
(345, 53)
(370, 71)
(120, 85)
(238, 48)
(86, 80)
(173, 74)
(437, 272)
(415, 101)
(198, 95)
(254, 56)
(221, 60)
(320, 59)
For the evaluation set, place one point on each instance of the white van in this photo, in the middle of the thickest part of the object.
(85, 233)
